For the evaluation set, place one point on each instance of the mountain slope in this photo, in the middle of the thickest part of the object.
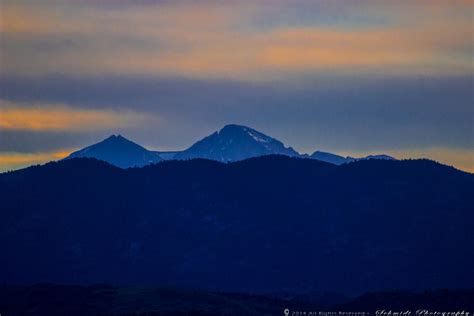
(118, 151)
(266, 224)
(339, 160)
(329, 157)
(166, 155)
(233, 143)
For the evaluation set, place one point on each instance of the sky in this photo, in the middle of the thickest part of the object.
(350, 77)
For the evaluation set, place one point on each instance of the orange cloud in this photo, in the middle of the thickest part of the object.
(460, 158)
(214, 40)
(426, 47)
(48, 118)
(12, 161)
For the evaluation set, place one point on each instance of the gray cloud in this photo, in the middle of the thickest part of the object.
(35, 142)
(332, 113)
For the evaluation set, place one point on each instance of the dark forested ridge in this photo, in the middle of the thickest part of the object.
(265, 224)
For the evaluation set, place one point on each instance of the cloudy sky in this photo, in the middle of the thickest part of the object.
(351, 77)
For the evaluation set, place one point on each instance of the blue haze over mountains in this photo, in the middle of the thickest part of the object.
(231, 143)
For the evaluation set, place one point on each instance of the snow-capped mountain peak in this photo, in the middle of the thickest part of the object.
(235, 142)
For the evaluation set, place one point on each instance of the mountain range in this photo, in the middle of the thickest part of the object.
(239, 212)
(231, 143)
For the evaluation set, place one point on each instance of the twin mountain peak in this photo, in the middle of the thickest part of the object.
(231, 143)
